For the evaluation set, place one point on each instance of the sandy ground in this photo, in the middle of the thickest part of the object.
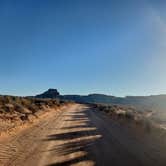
(78, 136)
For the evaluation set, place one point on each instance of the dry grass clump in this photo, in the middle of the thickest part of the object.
(116, 110)
(21, 107)
(126, 114)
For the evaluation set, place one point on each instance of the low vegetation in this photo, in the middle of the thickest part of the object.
(128, 114)
(11, 105)
(18, 110)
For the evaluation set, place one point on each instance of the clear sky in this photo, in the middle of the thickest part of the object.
(117, 47)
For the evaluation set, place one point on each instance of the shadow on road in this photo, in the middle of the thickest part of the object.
(74, 141)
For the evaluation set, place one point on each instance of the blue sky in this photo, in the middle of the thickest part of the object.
(115, 47)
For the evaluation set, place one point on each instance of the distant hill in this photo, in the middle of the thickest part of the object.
(141, 102)
(50, 93)
(146, 102)
(91, 98)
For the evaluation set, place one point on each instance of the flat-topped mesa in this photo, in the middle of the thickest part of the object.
(50, 93)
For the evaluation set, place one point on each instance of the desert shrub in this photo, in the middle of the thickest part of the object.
(8, 99)
(25, 102)
(8, 107)
(115, 107)
(129, 115)
(62, 102)
(120, 115)
(112, 109)
(33, 108)
(2, 110)
(106, 110)
(56, 101)
(19, 108)
(24, 117)
(147, 125)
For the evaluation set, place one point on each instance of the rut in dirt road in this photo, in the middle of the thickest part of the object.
(78, 136)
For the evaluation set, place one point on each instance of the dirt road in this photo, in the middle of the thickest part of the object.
(77, 136)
